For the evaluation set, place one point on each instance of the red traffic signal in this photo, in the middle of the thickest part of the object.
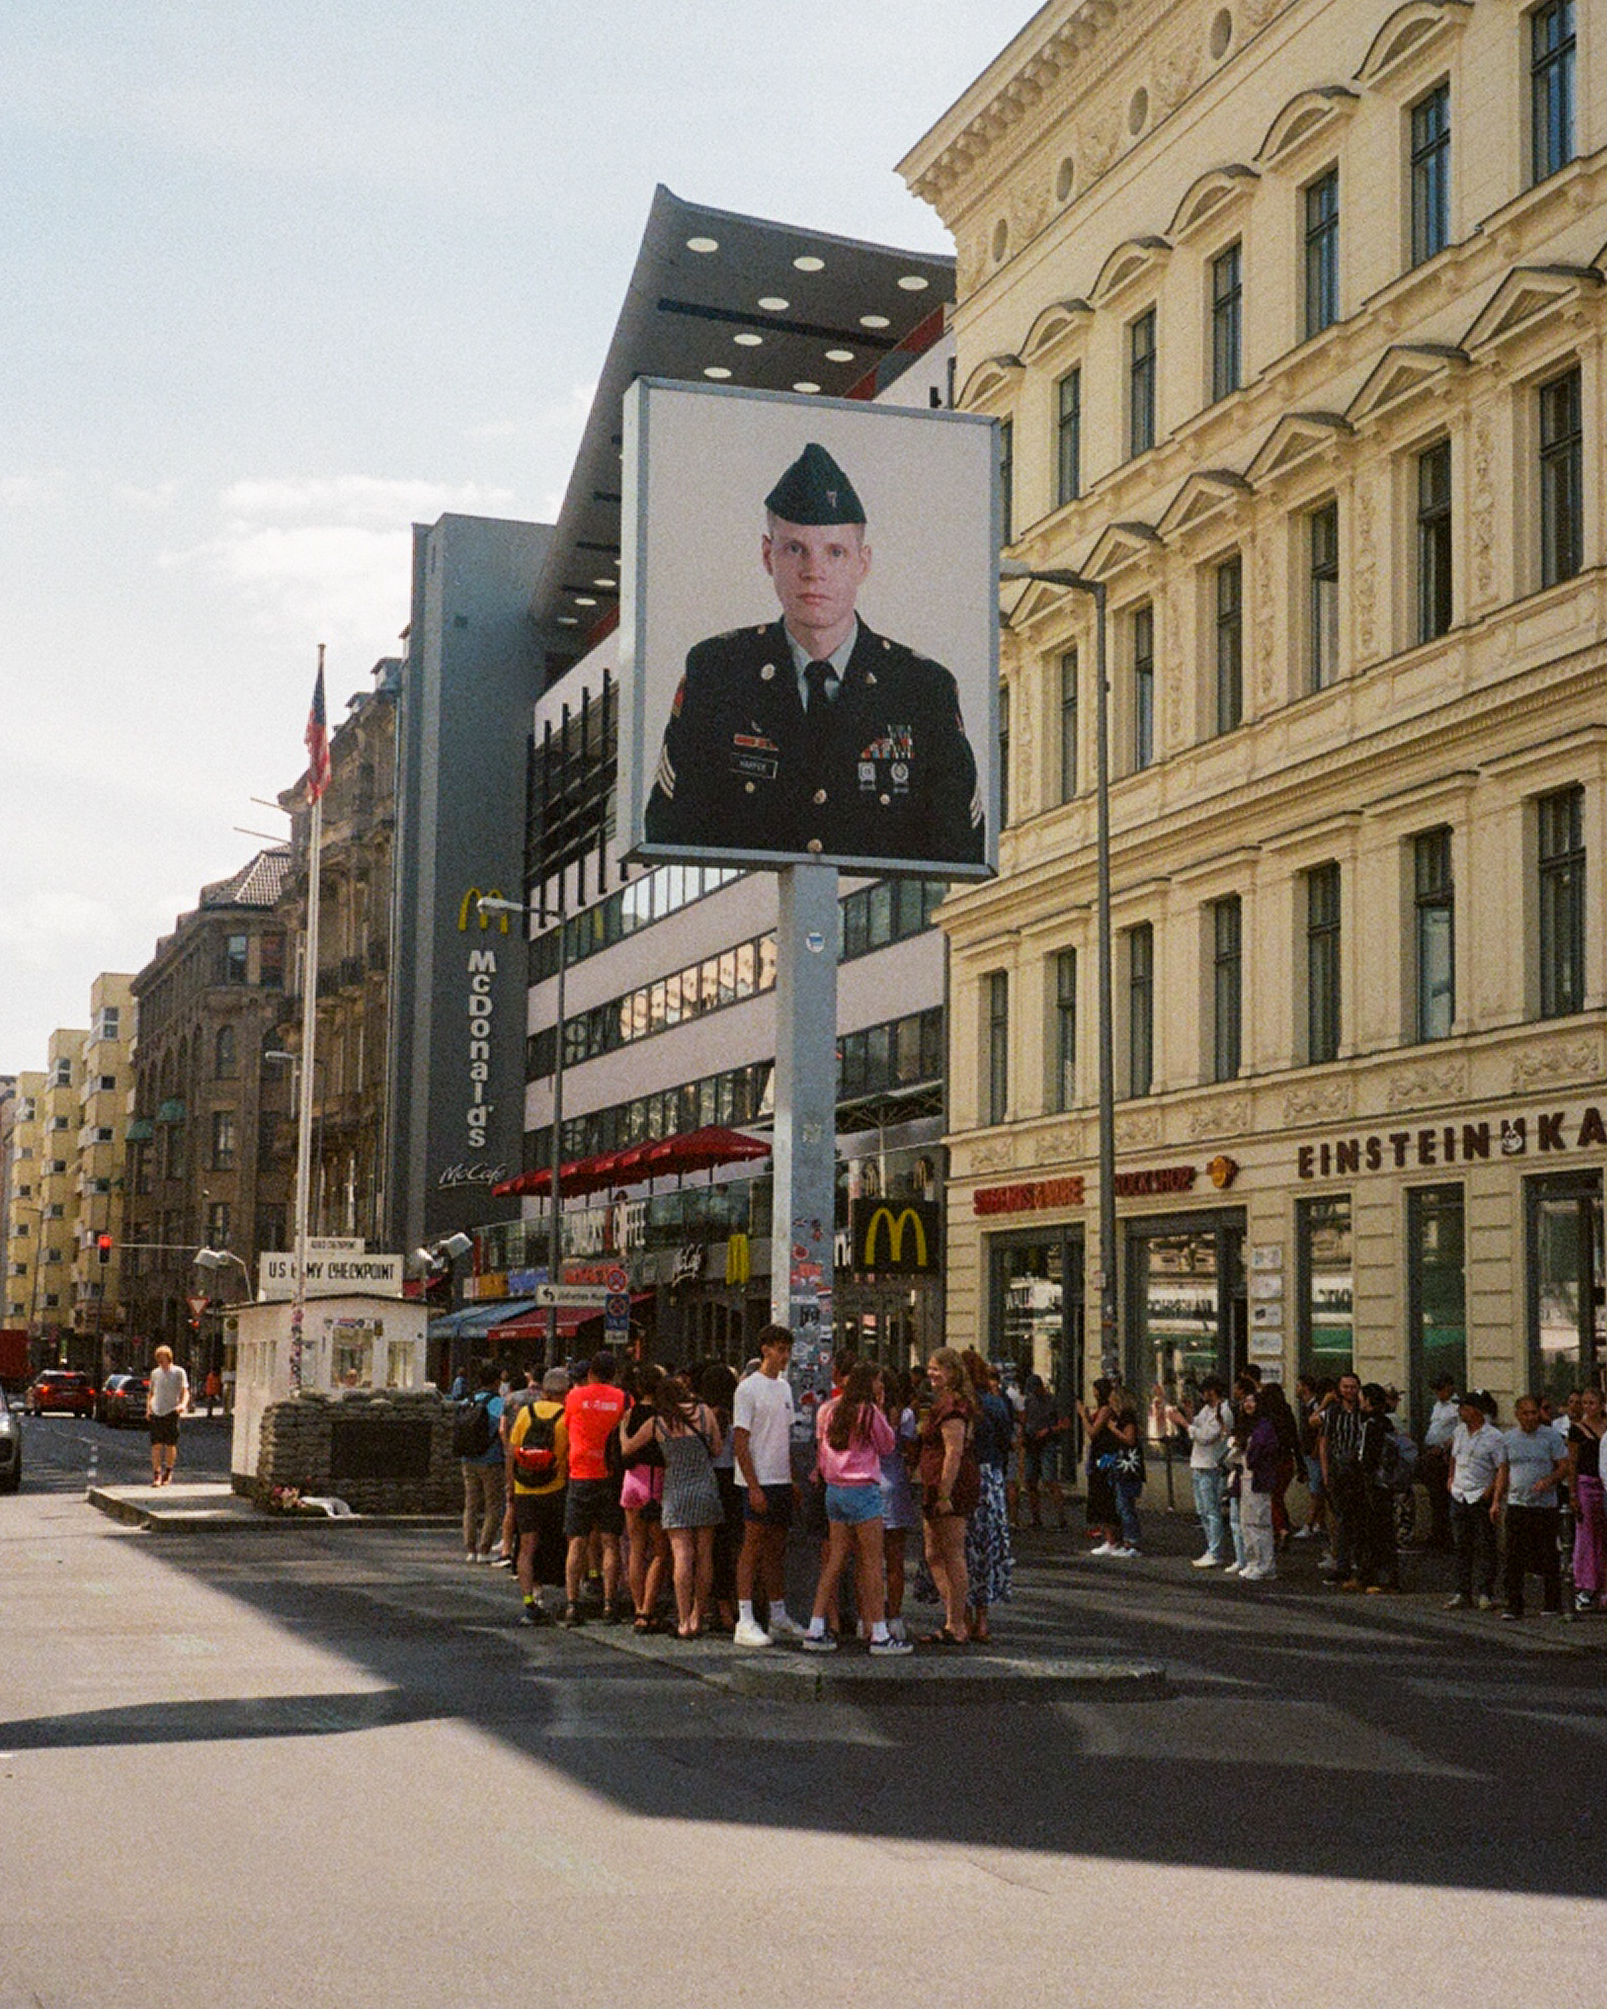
(103, 1244)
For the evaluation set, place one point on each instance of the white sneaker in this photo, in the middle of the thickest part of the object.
(1206, 1562)
(1304, 1534)
(895, 1627)
(1233, 1569)
(1104, 1549)
(1124, 1554)
(750, 1633)
(471, 1555)
(1253, 1575)
(819, 1642)
(783, 1625)
(883, 1648)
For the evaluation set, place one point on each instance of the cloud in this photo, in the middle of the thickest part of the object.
(329, 557)
(29, 491)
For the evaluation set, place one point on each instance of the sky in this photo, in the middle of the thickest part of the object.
(277, 283)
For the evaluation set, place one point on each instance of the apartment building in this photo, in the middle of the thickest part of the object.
(1291, 316)
(105, 1094)
(24, 1161)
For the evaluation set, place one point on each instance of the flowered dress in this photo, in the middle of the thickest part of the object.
(989, 1562)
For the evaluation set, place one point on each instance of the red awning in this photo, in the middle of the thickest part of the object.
(571, 1318)
(692, 1151)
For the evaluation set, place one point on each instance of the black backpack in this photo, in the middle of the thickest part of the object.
(471, 1431)
(535, 1456)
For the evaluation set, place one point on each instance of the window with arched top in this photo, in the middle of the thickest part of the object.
(225, 1055)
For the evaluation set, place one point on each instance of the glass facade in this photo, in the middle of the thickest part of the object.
(1436, 1280)
(1324, 1285)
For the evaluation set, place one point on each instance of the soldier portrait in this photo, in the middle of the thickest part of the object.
(809, 733)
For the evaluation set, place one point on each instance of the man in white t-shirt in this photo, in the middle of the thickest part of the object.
(167, 1401)
(761, 1443)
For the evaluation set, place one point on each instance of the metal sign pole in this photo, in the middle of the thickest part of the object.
(804, 1217)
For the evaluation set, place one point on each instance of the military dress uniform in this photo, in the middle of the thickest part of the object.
(883, 770)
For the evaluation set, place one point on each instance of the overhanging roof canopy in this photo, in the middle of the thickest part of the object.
(691, 1151)
(730, 299)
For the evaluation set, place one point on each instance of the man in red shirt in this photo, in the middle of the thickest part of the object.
(591, 1504)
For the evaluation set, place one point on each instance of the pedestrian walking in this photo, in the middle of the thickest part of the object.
(167, 1400)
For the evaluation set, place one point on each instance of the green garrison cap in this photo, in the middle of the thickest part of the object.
(814, 490)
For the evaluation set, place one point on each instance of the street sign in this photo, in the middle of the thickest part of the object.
(197, 1305)
(618, 1305)
(615, 1280)
(329, 1275)
(571, 1294)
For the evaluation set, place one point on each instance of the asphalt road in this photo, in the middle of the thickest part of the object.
(324, 1766)
(59, 1453)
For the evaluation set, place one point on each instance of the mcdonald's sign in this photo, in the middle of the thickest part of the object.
(896, 1237)
(470, 905)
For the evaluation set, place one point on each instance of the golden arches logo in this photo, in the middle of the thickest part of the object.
(896, 1224)
(470, 904)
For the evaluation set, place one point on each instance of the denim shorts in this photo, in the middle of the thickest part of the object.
(854, 1504)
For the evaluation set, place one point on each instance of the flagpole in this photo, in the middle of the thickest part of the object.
(316, 778)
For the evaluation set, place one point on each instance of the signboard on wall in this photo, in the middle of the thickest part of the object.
(808, 632)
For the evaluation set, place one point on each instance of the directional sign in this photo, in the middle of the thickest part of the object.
(571, 1294)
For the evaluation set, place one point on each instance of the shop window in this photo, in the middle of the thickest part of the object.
(1186, 1309)
(1436, 1279)
(1434, 932)
(1037, 1307)
(1567, 1282)
(1325, 1286)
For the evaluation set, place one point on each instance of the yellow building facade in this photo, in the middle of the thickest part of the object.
(1292, 317)
(105, 1094)
(23, 1175)
(58, 1184)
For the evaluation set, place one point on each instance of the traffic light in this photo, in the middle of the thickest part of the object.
(103, 1244)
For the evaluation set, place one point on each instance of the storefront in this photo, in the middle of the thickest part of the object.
(1470, 1246)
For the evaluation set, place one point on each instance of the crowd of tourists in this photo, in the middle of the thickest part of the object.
(667, 1500)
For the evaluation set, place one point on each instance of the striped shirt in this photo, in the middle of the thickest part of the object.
(1343, 1429)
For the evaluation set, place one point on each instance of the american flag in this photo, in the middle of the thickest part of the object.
(317, 740)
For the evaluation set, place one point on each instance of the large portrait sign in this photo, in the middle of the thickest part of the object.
(808, 633)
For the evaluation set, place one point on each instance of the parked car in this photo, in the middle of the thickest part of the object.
(122, 1400)
(62, 1388)
(10, 1446)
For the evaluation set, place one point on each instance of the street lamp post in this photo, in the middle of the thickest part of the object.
(1075, 582)
(215, 1260)
(490, 904)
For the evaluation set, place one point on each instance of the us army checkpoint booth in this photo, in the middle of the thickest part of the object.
(364, 1422)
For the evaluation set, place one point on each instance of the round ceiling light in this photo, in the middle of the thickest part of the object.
(874, 321)
(772, 303)
(748, 341)
(606, 584)
(839, 355)
(912, 282)
(806, 387)
(704, 245)
(809, 264)
(718, 371)
(567, 621)
(584, 600)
